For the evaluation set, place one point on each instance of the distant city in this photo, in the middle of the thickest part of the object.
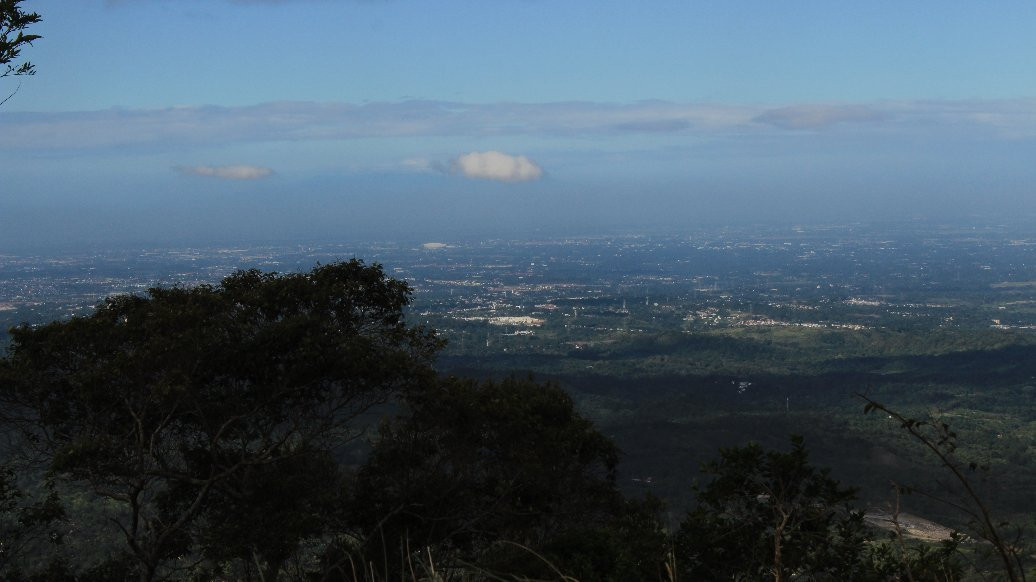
(848, 277)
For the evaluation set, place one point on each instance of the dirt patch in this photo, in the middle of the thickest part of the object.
(912, 526)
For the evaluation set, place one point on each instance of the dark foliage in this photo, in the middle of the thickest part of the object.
(13, 23)
(474, 468)
(26, 524)
(168, 402)
(768, 514)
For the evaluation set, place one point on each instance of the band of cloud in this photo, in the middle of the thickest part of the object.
(179, 127)
(494, 165)
(819, 116)
(235, 172)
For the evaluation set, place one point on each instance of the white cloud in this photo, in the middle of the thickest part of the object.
(236, 172)
(493, 165)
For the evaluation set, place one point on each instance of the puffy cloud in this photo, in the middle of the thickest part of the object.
(494, 165)
(235, 172)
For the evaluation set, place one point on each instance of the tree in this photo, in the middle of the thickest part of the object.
(257, 519)
(483, 472)
(771, 515)
(13, 23)
(164, 402)
(25, 524)
(961, 493)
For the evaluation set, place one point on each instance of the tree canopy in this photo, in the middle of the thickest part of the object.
(163, 403)
(13, 24)
(768, 514)
(472, 464)
(219, 423)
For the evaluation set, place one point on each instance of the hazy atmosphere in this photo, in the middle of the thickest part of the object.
(154, 121)
(463, 290)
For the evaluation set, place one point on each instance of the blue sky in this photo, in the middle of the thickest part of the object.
(191, 121)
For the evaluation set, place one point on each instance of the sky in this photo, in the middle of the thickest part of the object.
(207, 121)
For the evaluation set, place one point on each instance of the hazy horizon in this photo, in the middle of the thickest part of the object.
(160, 122)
